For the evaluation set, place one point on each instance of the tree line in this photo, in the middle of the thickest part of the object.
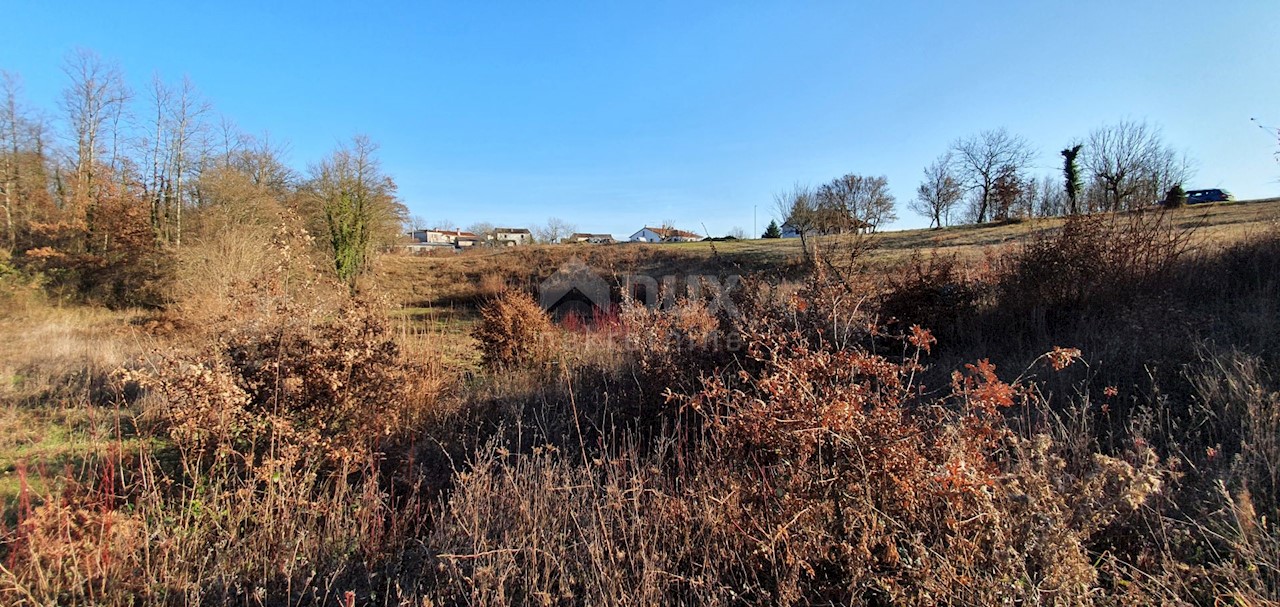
(101, 191)
(991, 176)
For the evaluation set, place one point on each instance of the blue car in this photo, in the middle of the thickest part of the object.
(1215, 195)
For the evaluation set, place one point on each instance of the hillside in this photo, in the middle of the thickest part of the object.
(448, 281)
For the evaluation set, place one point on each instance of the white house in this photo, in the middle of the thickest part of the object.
(648, 234)
(456, 238)
(512, 236)
(433, 236)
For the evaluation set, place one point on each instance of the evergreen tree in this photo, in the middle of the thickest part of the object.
(772, 231)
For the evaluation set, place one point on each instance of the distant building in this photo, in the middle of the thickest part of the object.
(510, 237)
(648, 234)
(466, 239)
(432, 236)
(590, 238)
(427, 239)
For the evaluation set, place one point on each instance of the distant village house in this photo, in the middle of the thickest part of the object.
(431, 239)
(589, 238)
(510, 237)
(648, 234)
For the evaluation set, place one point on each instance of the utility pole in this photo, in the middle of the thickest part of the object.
(755, 229)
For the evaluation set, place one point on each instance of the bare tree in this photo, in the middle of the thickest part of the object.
(10, 160)
(737, 233)
(1049, 198)
(264, 161)
(186, 112)
(231, 141)
(176, 115)
(24, 190)
(158, 151)
(94, 96)
(415, 222)
(854, 202)
(938, 193)
(1131, 165)
(982, 159)
(482, 229)
(554, 230)
(818, 222)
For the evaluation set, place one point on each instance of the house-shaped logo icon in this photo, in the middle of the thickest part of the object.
(575, 290)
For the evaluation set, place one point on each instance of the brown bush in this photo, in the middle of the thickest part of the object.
(513, 331)
(820, 475)
(269, 481)
(1094, 261)
(114, 261)
(937, 291)
(331, 392)
(669, 346)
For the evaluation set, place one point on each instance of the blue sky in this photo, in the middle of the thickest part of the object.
(612, 115)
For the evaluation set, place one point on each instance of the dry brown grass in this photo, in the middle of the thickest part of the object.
(57, 407)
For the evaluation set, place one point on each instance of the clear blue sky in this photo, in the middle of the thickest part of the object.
(612, 115)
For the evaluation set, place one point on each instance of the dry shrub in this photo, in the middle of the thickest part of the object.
(18, 291)
(1236, 414)
(226, 263)
(1059, 285)
(669, 346)
(492, 284)
(269, 482)
(331, 393)
(858, 491)
(112, 260)
(937, 291)
(809, 469)
(1212, 538)
(1232, 444)
(541, 530)
(514, 331)
(1094, 261)
(72, 547)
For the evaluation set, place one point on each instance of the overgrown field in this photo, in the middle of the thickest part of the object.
(1079, 412)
